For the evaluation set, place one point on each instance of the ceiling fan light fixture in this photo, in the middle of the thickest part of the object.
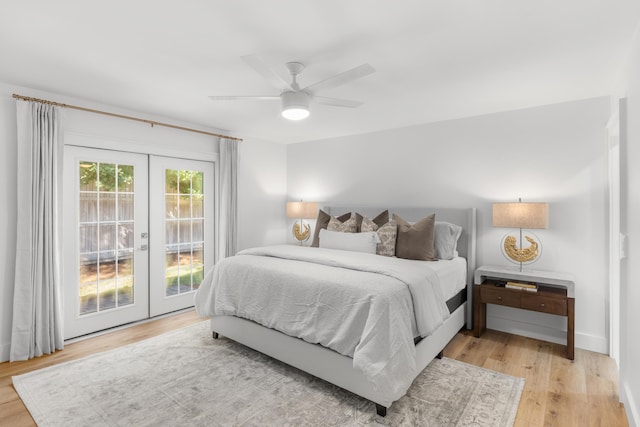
(295, 113)
(295, 105)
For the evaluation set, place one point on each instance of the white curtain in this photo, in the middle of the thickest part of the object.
(37, 314)
(228, 219)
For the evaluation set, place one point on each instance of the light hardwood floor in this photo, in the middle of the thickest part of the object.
(557, 391)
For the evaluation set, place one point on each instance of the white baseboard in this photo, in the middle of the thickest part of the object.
(546, 333)
(592, 343)
(626, 397)
(5, 351)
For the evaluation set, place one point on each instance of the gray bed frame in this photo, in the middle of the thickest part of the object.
(336, 368)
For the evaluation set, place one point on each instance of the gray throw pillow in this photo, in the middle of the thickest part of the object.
(416, 241)
(446, 239)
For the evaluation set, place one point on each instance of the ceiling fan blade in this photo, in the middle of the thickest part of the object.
(265, 71)
(245, 98)
(336, 102)
(342, 78)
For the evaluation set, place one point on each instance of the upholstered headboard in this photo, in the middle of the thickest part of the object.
(464, 217)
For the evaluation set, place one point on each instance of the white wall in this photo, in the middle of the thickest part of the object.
(261, 181)
(554, 153)
(630, 225)
(262, 195)
(8, 217)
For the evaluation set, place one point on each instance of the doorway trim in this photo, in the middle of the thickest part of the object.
(616, 240)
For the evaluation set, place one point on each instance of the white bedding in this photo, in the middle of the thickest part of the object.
(364, 309)
(452, 275)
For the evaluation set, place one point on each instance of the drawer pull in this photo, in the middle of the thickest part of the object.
(542, 305)
(499, 298)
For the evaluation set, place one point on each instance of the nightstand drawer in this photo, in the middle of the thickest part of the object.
(545, 304)
(500, 297)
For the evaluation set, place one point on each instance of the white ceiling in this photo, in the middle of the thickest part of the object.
(435, 60)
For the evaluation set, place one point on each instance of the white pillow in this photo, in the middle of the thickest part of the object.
(356, 242)
(446, 239)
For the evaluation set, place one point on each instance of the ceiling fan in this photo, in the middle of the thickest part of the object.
(296, 100)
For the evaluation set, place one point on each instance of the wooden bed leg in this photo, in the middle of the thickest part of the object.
(215, 335)
(381, 410)
(440, 355)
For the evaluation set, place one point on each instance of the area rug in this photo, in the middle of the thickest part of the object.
(185, 378)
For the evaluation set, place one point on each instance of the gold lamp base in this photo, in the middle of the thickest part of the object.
(301, 231)
(521, 255)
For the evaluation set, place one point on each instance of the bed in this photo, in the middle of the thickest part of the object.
(338, 362)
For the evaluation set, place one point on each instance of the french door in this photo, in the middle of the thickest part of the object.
(105, 234)
(181, 193)
(138, 236)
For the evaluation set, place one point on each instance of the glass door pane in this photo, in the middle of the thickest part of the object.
(105, 238)
(184, 223)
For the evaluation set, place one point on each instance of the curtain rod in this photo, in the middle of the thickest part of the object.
(122, 116)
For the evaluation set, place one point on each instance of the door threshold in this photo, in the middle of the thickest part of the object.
(125, 326)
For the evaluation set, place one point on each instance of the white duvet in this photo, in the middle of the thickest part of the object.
(360, 305)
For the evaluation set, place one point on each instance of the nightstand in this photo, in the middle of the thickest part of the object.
(555, 295)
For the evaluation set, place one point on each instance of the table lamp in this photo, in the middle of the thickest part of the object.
(302, 210)
(521, 215)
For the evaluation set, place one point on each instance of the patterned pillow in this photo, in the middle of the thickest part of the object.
(387, 233)
(349, 226)
(380, 219)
